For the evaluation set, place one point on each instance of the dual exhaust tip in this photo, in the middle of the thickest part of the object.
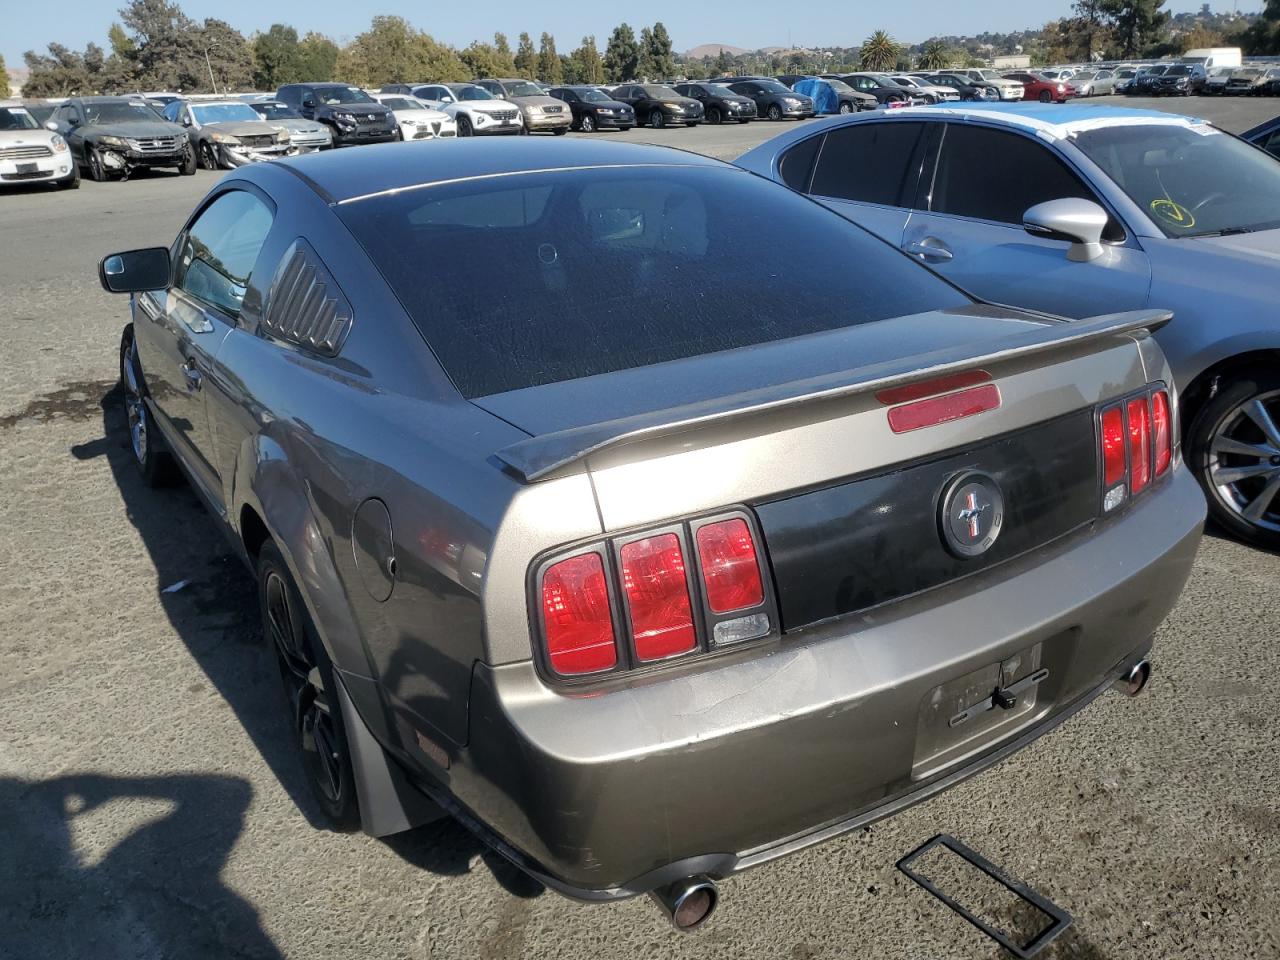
(1135, 679)
(688, 903)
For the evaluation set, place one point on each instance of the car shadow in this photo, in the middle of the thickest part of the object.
(211, 601)
(84, 875)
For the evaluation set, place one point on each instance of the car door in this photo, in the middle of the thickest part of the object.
(179, 330)
(70, 122)
(868, 172)
(968, 226)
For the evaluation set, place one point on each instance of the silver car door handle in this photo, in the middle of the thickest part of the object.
(192, 374)
(929, 248)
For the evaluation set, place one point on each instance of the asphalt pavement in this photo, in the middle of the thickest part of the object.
(150, 805)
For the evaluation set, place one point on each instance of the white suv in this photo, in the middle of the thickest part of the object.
(476, 110)
(31, 154)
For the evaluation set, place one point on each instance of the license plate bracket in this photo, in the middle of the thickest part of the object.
(28, 168)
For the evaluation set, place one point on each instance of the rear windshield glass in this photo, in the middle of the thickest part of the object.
(523, 280)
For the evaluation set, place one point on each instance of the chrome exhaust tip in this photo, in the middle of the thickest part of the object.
(688, 903)
(1135, 680)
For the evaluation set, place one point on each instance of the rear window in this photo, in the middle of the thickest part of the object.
(517, 281)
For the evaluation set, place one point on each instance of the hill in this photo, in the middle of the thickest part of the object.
(713, 50)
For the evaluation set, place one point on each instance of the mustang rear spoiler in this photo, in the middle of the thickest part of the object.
(539, 457)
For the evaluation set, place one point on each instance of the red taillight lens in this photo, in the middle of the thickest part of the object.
(1162, 419)
(653, 576)
(730, 573)
(1139, 417)
(575, 610)
(1113, 446)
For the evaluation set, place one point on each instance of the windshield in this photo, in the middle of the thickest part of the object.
(591, 96)
(905, 82)
(1085, 76)
(670, 239)
(1177, 71)
(17, 118)
(400, 103)
(773, 86)
(1192, 180)
(473, 93)
(1153, 71)
(120, 111)
(1249, 74)
(1126, 74)
(332, 95)
(522, 88)
(224, 113)
(989, 75)
(839, 86)
(657, 92)
(275, 111)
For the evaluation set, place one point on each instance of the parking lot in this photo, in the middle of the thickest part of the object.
(153, 806)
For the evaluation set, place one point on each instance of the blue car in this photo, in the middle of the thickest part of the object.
(1079, 210)
(1265, 135)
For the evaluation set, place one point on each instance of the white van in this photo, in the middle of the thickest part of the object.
(1210, 57)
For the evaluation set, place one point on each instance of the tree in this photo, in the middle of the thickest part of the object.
(317, 57)
(549, 69)
(1198, 38)
(392, 51)
(724, 64)
(4, 79)
(167, 51)
(646, 69)
(482, 60)
(934, 55)
(621, 55)
(277, 58)
(1138, 24)
(879, 52)
(587, 65)
(230, 56)
(526, 59)
(502, 51)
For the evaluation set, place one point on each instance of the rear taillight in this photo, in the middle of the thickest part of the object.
(1136, 435)
(730, 573)
(657, 591)
(577, 619)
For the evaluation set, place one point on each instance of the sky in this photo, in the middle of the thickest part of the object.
(744, 23)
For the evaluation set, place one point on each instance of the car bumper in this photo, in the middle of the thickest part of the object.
(1010, 94)
(348, 138)
(799, 112)
(613, 792)
(496, 127)
(309, 144)
(432, 132)
(239, 157)
(551, 121)
(614, 122)
(33, 170)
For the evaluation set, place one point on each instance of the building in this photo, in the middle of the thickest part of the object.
(1017, 61)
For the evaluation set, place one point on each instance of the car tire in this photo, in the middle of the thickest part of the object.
(657, 120)
(774, 112)
(560, 131)
(464, 126)
(715, 117)
(97, 172)
(154, 462)
(72, 182)
(310, 689)
(846, 107)
(587, 124)
(1046, 96)
(208, 159)
(188, 167)
(1227, 426)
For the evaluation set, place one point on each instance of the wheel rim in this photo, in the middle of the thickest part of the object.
(1244, 461)
(588, 124)
(655, 119)
(846, 108)
(775, 113)
(133, 404)
(308, 700)
(95, 165)
(209, 163)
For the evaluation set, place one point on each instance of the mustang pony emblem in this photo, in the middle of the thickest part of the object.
(972, 514)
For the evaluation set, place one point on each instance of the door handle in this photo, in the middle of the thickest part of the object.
(930, 248)
(192, 374)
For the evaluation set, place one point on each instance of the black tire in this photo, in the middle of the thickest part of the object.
(208, 159)
(560, 131)
(587, 124)
(464, 126)
(774, 112)
(715, 117)
(154, 462)
(97, 172)
(657, 120)
(744, 120)
(1222, 422)
(1046, 96)
(188, 167)
(310, 691)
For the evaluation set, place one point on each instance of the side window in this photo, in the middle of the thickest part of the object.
(995, 175)
(1272, 143)
(869, 162)
(220, 248)
(797, 164)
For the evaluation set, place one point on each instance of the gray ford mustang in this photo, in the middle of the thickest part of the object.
(645, 577)
(1080, 210)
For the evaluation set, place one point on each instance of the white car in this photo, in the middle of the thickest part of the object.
(476, 111)
(928, 92)
(416, 120)
(1009, 89)
(31, 154)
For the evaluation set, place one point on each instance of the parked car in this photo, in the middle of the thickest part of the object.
(1265, 135)
(1086, 210)
(1145, 79)
(417, 120)
(531, 548)
(886, 92)
(541, 111)
(1094, 83)
(832, 96)
(1271, 82)
(229, 133)
(114, 136)
(719, 103)
(1181, 79)
(477, 112)
(30, 153)
(1038, 87)
(1247, 81)
(773, 100)
(1009, 89)
(656, 105)
(927, 92)
(966, 87)
(306, 135)
(1217, 79)
(352, 116)
(594, 110)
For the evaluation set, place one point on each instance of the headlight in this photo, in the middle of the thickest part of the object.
(59, 145)
(605, 110)
(533, 109)
(792, 101)
(1062, 88)
(219, 137)
(345, 117)
(673, 107)
(282, 136)
(112, 142)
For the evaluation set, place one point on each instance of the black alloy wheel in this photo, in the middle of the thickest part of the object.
(464, 125)
(97, 172)
(714, 116)
(310, 689)
(656, 119)
(208, 159)
(1046, 96)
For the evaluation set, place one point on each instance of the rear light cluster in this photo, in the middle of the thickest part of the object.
(653, 597)
(1137, 445)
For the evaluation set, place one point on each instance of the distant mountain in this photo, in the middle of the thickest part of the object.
(713, 50)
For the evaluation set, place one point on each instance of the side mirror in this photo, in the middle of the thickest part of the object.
(51, 125)
(1080, 222)
(135, 271)
(186, 121)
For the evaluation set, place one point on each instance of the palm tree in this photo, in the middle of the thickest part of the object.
(879, 52)
(934, 55)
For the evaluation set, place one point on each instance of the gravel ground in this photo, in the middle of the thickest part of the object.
(152, 810)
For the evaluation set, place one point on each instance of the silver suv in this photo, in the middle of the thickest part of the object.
(540, 111)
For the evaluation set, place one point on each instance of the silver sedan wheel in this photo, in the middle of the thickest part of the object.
(1244, 461)
(133, 403)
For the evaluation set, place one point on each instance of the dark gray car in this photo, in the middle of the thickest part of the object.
(646, 575)
(114, 136)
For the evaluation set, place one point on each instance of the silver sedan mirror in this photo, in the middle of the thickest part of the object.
(1077, 221)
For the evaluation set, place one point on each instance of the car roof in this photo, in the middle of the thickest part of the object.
(1055, 120)
(343, 175)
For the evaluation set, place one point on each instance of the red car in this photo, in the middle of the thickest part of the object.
(1036, 87)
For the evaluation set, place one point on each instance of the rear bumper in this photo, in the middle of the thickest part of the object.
(613, 793)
